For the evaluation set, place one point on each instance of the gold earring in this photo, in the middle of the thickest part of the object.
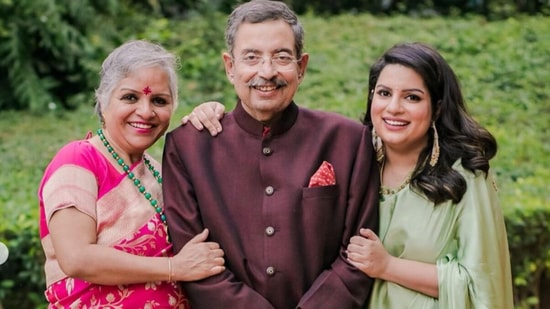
(435, 147)
(378, 148)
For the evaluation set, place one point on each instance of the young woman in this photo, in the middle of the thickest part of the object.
(442, 241)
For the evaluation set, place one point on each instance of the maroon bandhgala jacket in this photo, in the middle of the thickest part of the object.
(284, 242)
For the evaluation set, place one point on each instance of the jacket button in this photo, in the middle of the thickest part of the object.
(269, 231)
(270, 271)
(266, 151)
(269, 190)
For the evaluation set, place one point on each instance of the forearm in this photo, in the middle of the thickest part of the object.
(341, 286)
(74, 239)
(229, 293)
(418, 276)
(103, 265)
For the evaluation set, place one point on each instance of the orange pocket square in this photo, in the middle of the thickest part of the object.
(324, 176)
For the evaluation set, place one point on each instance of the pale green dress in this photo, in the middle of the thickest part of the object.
(467, 241)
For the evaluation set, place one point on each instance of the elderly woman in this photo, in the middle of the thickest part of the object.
(103, 227)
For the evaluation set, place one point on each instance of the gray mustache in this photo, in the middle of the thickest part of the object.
(259, 82)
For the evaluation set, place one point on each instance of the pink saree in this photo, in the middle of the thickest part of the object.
(80, 176)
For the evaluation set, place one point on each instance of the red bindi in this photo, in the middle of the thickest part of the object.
(147, 90)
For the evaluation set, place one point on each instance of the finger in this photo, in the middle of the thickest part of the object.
(184, 120)
(350, 256)
(355, 250)
(356, 240)
(195, 121)
(217, 269)
(351, 246)
(209, 120)
(212, 246)
(217, 253)
(199, 237)
(219, 109)
(219, 261)
(353, 262)
(217, 124)
(368, 233)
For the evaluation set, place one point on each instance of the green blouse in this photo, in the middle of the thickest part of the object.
(467, 241)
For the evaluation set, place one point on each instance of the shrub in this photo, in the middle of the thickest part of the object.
(529, 242)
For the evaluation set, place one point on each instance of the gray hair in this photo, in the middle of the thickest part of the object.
(126, 59)
(257, 11)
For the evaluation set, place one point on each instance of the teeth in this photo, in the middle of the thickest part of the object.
(395, 123)
(266, 88)
(141, 125)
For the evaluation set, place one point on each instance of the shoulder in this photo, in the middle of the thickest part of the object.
(329, 119)
(185, 135)
(79, 153)
(476, 180)
(467, 174)
(188, 130)
(75, 161)
(74, 152)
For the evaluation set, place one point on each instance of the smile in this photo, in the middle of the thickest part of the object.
(141, 125)
(395, 122)
(265, 88)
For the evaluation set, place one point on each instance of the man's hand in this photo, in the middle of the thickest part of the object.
(206, 115)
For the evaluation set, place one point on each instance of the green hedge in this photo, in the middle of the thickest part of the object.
(529, 242)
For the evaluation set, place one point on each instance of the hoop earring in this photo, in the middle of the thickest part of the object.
(378, 147)
(435, 147)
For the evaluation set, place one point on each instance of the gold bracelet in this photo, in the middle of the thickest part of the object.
(169, 269)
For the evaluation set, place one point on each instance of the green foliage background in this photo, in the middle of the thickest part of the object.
(504, 69)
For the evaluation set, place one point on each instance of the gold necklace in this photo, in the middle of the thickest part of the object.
(390, 191)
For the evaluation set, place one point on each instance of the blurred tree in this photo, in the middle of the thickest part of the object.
(46, 50)
(50, 49)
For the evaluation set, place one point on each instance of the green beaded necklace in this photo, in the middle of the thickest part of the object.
(132, 177)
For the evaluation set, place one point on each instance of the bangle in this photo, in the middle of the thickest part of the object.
(169, 269)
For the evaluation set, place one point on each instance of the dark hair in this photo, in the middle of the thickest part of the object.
(460, 136)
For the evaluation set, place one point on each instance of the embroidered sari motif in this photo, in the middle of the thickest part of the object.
(150, 240)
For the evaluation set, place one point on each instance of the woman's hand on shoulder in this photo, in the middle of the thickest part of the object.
(206, 115)
(367, 253)
(198, 259)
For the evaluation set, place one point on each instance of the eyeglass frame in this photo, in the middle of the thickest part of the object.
(262, 59)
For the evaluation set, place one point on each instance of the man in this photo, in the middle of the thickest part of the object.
(282, 189)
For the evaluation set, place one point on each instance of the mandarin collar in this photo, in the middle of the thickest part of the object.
(255, 127)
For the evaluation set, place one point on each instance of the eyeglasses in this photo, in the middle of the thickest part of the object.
(279, 61)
